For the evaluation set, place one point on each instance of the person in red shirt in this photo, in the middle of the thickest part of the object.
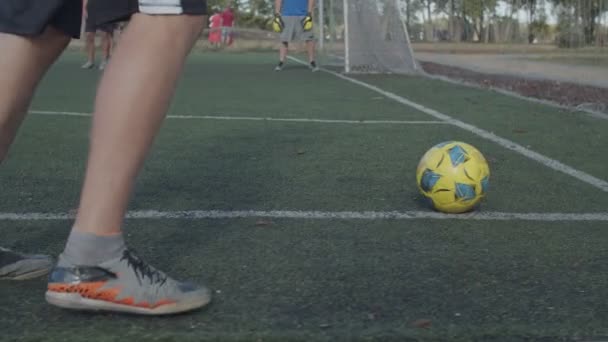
(227, 25)
(215, 30)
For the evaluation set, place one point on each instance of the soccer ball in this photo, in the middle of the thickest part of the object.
(454, 176)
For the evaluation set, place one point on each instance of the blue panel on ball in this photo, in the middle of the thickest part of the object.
(465, 192)
(429, 202)
(458, 155)
(485, 184)
(428, 180)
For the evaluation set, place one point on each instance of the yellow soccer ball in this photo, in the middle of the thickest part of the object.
(454, 176)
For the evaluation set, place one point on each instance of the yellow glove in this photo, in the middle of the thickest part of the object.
(307, 22)
(277, 23)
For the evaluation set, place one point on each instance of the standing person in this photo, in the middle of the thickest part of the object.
(96, 270)
(215, 30)
(293, 19)
(90, 13)
(228, 26)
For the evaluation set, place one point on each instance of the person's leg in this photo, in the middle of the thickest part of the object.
(96, 271)
(106, 46)
(231, 36)
(290, 32)
(309, 38)
(90, 50)
(90, 29)
(131, 103)
(283, 51)
(23, 63)
(310, 48)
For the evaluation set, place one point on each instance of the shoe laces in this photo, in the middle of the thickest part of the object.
(143, 270)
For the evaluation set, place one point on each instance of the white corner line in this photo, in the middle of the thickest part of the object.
(325, 215)
(271, 119)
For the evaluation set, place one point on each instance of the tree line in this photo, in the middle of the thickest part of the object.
(579, 22)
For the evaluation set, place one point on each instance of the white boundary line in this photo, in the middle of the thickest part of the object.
(325, 215)
(253, 118)
(551, 163)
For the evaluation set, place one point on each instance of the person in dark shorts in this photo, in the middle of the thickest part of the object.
(96, 270)
(91, 27)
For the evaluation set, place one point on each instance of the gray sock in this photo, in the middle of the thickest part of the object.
(86, 249)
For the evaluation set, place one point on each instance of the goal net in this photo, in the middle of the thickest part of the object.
(364, 36)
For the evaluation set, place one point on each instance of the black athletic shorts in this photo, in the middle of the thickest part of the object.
(92, 24)
(31, 17)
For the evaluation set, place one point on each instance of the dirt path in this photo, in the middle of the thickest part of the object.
(590, 98)
(520, 66)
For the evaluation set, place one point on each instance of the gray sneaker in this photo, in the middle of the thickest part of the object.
(17, 266)
(313, 66)
(103, 65)
(279, 67)
(88, 65)
(126, 284)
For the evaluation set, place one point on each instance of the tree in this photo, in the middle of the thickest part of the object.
(478, 12)
(580, 17)
(216, 5)
(410, 8)
(430, 29)
(514, 7)
(472, 15)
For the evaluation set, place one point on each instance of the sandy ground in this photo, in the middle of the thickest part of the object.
(521, 66)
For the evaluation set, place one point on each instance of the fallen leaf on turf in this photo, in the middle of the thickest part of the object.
(300, 152)
(263, 223)
(422, 323)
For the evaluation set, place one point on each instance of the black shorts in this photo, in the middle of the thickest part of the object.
(92, 27)
(31, 17)
(112, 11)
(92, 23)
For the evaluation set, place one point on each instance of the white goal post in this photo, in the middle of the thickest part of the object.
(364, 36)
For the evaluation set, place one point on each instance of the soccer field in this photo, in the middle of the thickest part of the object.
(293, 196)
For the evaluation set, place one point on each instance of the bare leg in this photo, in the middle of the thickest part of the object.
(310, 48)
(90, 46)
(23, 63)
(131, 103)
(132, 99)
(106, 45)
(283, 52)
